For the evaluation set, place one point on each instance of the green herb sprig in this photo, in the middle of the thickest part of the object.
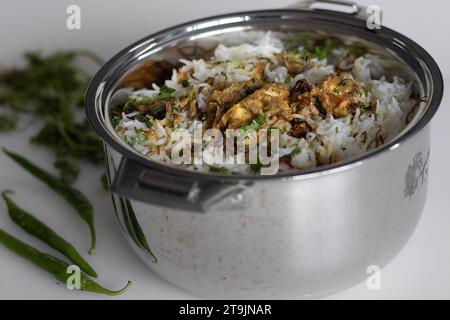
(52, 89)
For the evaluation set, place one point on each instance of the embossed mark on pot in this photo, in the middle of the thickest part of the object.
(417, 173)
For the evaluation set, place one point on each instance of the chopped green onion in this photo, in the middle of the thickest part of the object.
(148, 120)
(140, 136)
(288, 79)
(165, 90)
(256, 123)
(115, 120)
(295, 152)
(218, 169)
(185, 83)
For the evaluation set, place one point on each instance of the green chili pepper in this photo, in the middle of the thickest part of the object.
(78, 201)
(37, 228)
(58, 268)
(138, 231)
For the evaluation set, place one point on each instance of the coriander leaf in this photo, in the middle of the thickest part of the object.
(53, 87)
(165, 90)
(324, 49)
(140, 136)
(288, 79)
(255, 167)
(8, 122)
(115, 120)
(148, 120)
(76, 140)
(255, 124)
(218, 169)
(185, 83)
(295, 152)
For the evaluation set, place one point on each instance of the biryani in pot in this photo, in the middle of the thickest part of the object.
(327, 101)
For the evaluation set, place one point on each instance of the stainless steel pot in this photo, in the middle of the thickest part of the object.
(291, 235)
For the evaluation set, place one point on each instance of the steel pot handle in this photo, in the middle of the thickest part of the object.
(346, 6)
(349, 7)
(137, 182)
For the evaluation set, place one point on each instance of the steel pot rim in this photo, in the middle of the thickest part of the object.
(92, 95)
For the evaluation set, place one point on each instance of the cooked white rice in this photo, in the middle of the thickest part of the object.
(334, 139)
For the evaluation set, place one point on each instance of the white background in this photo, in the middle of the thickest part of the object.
(421, 270)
